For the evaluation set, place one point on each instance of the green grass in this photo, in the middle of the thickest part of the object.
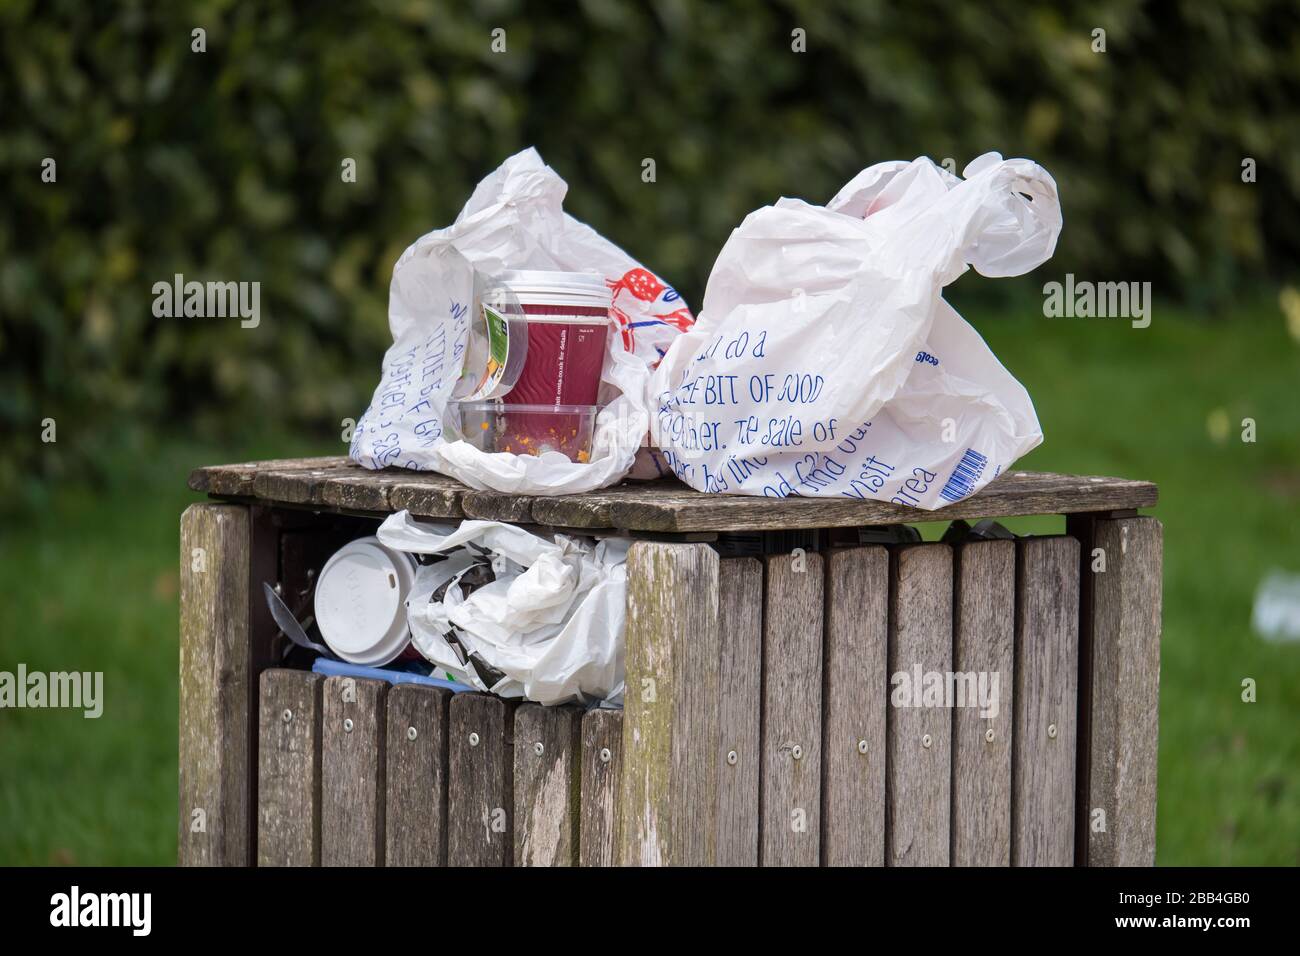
(91, 585)
(1137, 403)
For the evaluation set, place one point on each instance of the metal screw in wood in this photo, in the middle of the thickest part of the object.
(796, 752)
(988, 735)
(473, 740)
(1051, 731)
(347, 725)
(287, 715)
(605, 755)
(411, 733)
(862, 746)
(732, 757)
(539, 748)
(925, 741)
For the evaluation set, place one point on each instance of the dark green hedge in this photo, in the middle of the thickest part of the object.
(226, 164)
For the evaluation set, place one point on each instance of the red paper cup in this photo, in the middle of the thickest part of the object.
(566, 352)
(568, 334)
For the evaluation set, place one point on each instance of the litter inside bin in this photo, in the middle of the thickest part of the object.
(408, 673)
(516, 613)
(361, 603)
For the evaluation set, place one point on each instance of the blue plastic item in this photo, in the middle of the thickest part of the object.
(410, 674)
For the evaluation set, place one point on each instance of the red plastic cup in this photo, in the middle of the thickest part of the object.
(568, 334)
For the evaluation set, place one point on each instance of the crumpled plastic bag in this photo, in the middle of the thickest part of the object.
(551, 624)
(825, 362)
(514, 220)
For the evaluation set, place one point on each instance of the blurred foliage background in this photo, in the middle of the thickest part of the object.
(226, 164)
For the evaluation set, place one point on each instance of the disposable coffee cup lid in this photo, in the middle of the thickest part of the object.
(361, 602)
(538, 280)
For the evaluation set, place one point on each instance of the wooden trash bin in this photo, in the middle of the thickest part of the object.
(765, 721)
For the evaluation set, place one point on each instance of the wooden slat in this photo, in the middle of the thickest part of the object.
(289, 769)
(415, 814)
(352, 772)
(359, 489)
(740, 626)
(984, 606)
(918, 769)
(1122, 656)
(238, 479)
(592, 510)
(548, 747)
(1045, 701)
(792, 711)
(670, 710)
(664, 505)
(602, 768)
(493, 506)
(300, 485)
(854, 704)
(216, 687)
(480, 788)
(1016, 493)
(425, 494)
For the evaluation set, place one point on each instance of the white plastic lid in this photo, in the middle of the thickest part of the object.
(555, 288)
(540, 279)
(361, 602)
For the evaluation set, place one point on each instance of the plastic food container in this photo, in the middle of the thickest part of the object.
(528, 429)
(361, 603)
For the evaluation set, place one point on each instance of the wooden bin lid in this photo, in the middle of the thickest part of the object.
(665, 505)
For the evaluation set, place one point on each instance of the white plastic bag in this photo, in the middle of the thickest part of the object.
(552, 622)
(514, 220)
(826, 363)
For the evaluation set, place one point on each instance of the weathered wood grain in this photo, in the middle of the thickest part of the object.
(289, 769)
(664, 505)
(415, 814)
(592, 510)
(548, 748)
(670, 711)
(984, 609)
(740, 679)
(494, 506)
(426, 495)
(296, 485)
(237, 479)
(333, 482)
(854, 704)
(1015, 493)
(216, 757)
(1045, 701)
(353, 765)
(918, 792)
(790, 832)
(1121, 654)
(602, 770)
(480, 789)
(358, 489)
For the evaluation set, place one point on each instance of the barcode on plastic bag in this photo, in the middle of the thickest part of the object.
(962, 480)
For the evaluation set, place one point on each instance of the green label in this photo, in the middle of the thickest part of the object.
(498, 336)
